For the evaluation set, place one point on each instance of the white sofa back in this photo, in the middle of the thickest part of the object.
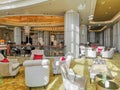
(37, 72)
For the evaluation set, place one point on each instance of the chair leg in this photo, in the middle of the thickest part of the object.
(44, 87)
(30, 88)
(13, 76)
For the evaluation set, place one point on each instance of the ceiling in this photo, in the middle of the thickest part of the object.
(51, 12)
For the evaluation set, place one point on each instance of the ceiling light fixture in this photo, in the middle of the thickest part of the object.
(82, 5)
(90, 17)
(27, 31)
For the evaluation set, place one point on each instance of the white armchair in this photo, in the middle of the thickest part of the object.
(82, 50)
(37, 72)
(57, 63)
(72, 81)
(10, 68)
(90, 53)
(108, 54)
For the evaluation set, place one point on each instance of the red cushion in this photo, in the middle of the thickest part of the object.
(99, 50)
(62, 58)
(5, 60)
(38, 57)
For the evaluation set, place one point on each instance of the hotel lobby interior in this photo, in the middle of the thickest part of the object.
(59, 45)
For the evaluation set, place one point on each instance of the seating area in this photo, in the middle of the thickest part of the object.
(93, 52)
(80, 67)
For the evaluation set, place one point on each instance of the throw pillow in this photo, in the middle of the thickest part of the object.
(62, 58)
(99, 50)
(38, 57)
(5, 60)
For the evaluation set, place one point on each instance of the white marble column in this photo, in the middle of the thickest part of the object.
(17, 35)
(72, 32)
(116, 36)
(118, 28)
(83, 34)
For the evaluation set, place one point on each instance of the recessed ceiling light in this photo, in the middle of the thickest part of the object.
(103, 2)
(81, 6)
(106, 12)
(109, 7)
(99, 24)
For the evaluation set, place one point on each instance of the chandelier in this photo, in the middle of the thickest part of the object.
(27, 30)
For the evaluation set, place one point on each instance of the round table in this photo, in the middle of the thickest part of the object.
(112, 85)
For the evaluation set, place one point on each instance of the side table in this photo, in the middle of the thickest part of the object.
(112, 86)
(99, 77)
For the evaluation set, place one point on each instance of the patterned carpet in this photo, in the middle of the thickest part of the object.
(80, 66)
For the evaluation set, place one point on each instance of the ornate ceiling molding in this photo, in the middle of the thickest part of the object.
(32, 20)
(114, 19)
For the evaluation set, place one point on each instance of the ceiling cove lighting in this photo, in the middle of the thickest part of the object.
(115, 18)
(99, 29)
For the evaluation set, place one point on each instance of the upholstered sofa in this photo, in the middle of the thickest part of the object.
(108, 53)
(57, 63)
(90, 52)
(10, 68)
(37, 72)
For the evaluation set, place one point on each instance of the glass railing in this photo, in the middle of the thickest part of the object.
(26, 49)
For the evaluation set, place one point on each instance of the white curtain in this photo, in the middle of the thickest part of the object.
(107, 37)
(118, 28)
(92, 37)
(72, 32)
(116, 36)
